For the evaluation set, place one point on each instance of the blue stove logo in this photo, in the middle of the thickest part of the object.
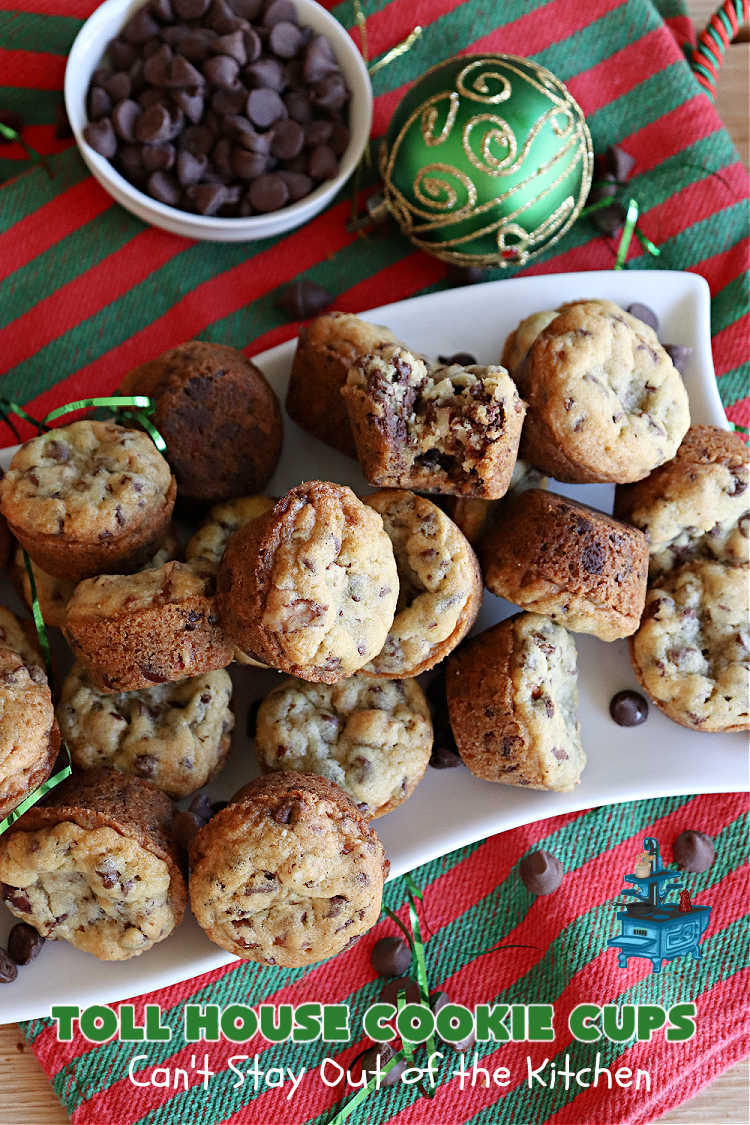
(654, 926)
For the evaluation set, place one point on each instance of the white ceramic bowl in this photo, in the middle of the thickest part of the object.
(85, 56)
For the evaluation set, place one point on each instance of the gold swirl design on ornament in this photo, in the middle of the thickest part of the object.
(432, 190)
(479, 89)
(430, 116)
(499, 132)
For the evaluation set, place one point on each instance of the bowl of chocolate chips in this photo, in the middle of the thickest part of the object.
(221, 120)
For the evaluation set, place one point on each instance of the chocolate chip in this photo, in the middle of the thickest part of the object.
(390, 957)
(318, 132)
(162, 10)
(118, 86)
(280, 11)
(185, 827)
(541, 872)
(24, 943)
(323, 163)
(645, 314)
(191, 104)
(390, 990)
(158, 158)
(680, 355)
(190, 169)
(444, 756)
(8, 969)
(201, 807)
(222, 71)
(124, 117)
(299, 185)
(285, 39)
(217, 807)
(464, 359)
(438, 1000)
(268, 193)
(198, 139)
(264, 106)
(141, 27)
(298, 106)
(100, 135)
(63, 129)
(593, 558)
(331, 93)
(693, 851)
(288, 139)
(319, 60)
(628, 708)
(302, 298)
(339, 138)
(248, 165)
(232, 45)
(253, 45)
(376, 1058)
(286, 814)
(122, 54)
(145, 765)
(265, 74)
(154, 125)
(464, 275)
(206, 198)
(164, 188)
(618, 162)
(190, 9)
(465, 1044)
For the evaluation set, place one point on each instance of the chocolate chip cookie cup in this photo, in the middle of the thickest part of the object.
(440, 585)
(327, 347)
(695, 506)
(289, 873)
(29, 734)
(371, 739)
(88, 498)
(513, 704)
(450, 429)
(95, 865)
(176, 735)
(573, 563)
(310, 587)
(218, 415)
(605, 402)
(692, 651)
(131, 631)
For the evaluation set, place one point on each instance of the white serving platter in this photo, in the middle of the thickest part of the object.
(451, 807)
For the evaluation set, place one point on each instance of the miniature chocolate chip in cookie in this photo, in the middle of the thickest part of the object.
(628, 708)
(24, 943)
(541, 872)
(693, 851)
(390, 957)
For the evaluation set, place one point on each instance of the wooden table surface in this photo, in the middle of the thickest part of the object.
(26, 1097)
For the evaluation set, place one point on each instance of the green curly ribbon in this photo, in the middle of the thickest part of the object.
(144, 407)
(67, 769)
(9, 134)
(631, 218)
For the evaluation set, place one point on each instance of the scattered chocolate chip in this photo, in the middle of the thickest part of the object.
(164, 188)
(541, 872)
(464, 359)
(8, 968)
(288, 139)
(184, 828)
(141, 27)
(124, 117)
(319, 60)
(63, 128)
(444, 755)
(693, 851)
(285, 39)
(158, 158)
(382, 1053)
(628, 708)
(24, 943)
(391, 989)
(618, 162)
(302, 299)
(438, 1000)
(206, 198)
(299, 185)
(264, 107)
(464, 275)
(645, 314)
(278, 11)
(390, 957)
(201, 806)
(680, 355)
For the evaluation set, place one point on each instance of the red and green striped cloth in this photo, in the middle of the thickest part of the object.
(473, 901)
(88, 292)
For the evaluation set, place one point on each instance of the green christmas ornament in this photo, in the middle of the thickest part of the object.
(487, 161)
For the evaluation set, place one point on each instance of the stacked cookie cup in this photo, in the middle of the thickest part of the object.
(363, 603)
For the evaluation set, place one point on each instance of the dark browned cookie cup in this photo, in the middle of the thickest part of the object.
(310, 587)
(218, 415)
(29, 734)
(512, 696)
(95, 864)
(573, 563)
(326, 348)
(89, 498)
(133, 631)
(289, 873)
